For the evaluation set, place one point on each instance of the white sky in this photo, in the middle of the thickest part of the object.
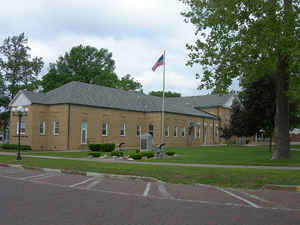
(135, 31)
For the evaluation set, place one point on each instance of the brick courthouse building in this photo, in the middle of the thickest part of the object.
(77, 114)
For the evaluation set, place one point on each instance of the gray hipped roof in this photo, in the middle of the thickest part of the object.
(98, 96)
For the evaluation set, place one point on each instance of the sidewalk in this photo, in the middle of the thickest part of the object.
(156, 163)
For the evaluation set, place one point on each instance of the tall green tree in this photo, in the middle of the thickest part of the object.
(83, 63)
(246, 40)
(168, 94)
(17, 69)
(127, 83)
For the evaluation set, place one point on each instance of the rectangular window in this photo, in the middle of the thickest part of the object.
(183, 132)
(175, 131)
(123, 129)
(83, 132)
(22, 128)
(166, 131)
(151, 129)
(217, 131)
(104, 129)
(197, 132)
(42, 127)
(138, 130)
(55, 127)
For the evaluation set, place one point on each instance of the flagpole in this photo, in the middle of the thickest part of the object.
(163, 102)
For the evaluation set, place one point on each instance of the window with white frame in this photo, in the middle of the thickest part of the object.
(83, 132)
(104, 129)
(138, 130)
(123, 129)
(167, 131)
(183, 132)
(175, 131)
(42, 127)
(217, 131)
(55, 127)
(22, 127)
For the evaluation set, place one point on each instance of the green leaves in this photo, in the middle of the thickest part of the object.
(18, 69)
(239, 38)
(83, 63)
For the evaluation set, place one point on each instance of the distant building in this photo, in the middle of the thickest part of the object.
(77, 114)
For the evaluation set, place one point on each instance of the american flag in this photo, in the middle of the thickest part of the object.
(159, 62)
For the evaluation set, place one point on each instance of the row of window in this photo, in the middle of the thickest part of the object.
(196, 132)
(55, 127)
(42, 127)
(105, 130)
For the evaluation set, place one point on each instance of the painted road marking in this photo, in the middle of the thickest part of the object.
(298, 188)
(16, 166)
(238, 197)
(147, 189)
(164, 192)
(83, 182)
(93, 184)
(155, 197)
(38, 176)
(254, 196)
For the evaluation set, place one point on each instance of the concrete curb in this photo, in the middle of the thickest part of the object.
(282, 187)
(82, 173)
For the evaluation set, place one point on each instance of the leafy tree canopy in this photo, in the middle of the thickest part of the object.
(17, 69)
(128, 83)
(85, 64)
(168, 94)
(246, 40)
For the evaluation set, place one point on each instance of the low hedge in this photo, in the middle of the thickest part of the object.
(147, 154)
(117, 153)
(136, 156)
(170, 153)
(106, 147)
(14, 147)
(140, 155)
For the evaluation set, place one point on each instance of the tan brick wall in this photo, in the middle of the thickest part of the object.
(70, 128)
(26, 139)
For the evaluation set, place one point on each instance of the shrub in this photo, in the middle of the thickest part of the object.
(117, 153)
(170, 153)
(107, 147)
(136, 156)
(94, 154)
(147, 154)
(14, 146)
(94, 147)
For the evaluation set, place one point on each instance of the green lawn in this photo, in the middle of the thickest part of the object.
(222, 155)
(229, 155)
(238, 178)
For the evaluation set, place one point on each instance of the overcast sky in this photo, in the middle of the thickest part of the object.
(135, 31)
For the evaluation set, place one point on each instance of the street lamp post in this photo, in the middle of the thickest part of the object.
(19, 112)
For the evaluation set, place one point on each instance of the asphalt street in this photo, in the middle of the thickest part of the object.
(33, 197)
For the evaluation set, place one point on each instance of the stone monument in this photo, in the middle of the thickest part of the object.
(146, 142)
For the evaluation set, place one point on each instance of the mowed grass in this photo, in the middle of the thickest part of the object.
(224, 177)
(221, 155)
(229, 155)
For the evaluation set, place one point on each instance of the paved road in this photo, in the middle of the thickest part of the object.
(32, 197)
(110, 160)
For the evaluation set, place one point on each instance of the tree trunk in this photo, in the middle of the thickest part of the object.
(270, 143)
(282, 142)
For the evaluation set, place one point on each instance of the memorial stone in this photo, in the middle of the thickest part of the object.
(146, 142)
